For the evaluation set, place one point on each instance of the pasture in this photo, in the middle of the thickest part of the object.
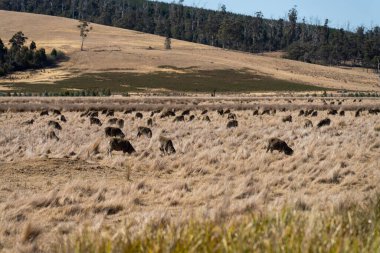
(53, 189)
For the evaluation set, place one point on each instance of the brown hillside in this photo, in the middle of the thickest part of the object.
(114, 49)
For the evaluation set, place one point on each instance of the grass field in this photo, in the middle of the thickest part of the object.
(221, 191)
(193, 81)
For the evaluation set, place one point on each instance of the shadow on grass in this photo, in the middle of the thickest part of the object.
(192, 81)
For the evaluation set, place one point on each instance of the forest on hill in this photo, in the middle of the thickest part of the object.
(302, 41)
(20, 57)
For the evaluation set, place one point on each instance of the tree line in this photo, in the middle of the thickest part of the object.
(20, 57)
(302, 41)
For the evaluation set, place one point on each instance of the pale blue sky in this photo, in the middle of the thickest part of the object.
(339, 12)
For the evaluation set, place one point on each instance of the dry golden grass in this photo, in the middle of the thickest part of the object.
(51, 189)
(112, 49)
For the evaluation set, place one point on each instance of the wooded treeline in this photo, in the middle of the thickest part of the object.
(20, 57)
(302, 41)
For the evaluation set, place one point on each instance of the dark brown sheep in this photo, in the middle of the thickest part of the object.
(144, 131)
(95, 121)
(279, 145)
(44, 113)
(324, 122)
(232, 116)
(150, 122)
(129, 111)
(179, 119)
(232, 124)
(55, 124)
(220, 112)
(267, 112)
(167, 114)
(56, 112)
(342, 113)
(139, 115)
(314, 114)
(154, 112)
(166, 146)
(301, 113)
(93, 114)
(63, 118)
(186, 112)
(191, 118)
(117, 144)
(206, 118)
(308, 123)
(204, 112)
(28, 122)
(288, 118)
(332, 112)
(114, 132)
(255, 112)
(52, 136)
(110, 113)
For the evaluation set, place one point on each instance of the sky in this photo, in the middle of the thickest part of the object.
(341, 13)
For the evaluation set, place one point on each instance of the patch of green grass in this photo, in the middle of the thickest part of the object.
(192, 81)
(350, 230)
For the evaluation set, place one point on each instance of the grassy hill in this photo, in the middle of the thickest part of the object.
(125, 60)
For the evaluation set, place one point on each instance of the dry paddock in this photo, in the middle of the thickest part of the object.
(54, 188)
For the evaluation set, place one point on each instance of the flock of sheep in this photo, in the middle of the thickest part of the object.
(119, 143)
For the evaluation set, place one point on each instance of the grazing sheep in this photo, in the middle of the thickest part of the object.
(63, 118)
(374, 111)
(192, 117)
(52, 136)
(206, 118)
(342, 113)
(166, 146)
(288, 118)
(332, 112)
(94, 114)
(204, 112)
(301, 113)
(129, 111)
(232, 124)
(44, 113)
(84, 114)
(110, 113)
(266, 112)
(55, 124)
(220, 112)
(28, 122)
(116, 121)
(114, 132)
(139, 115)
(324, 122)
(167, 114)
(179, 119)
(308, 123)
(154, 112)
(150, 122)
(144, 131)
(232, 116)
(358, 112)
(117, 144)
(56, 112)
(95, 121)
(228, 111)
(186, 112)
(314, 114)
(255, 112)
(279, 145)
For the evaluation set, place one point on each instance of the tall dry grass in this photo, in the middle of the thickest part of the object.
(51, 188)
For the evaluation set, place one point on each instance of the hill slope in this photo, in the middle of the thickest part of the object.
(113, 49)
